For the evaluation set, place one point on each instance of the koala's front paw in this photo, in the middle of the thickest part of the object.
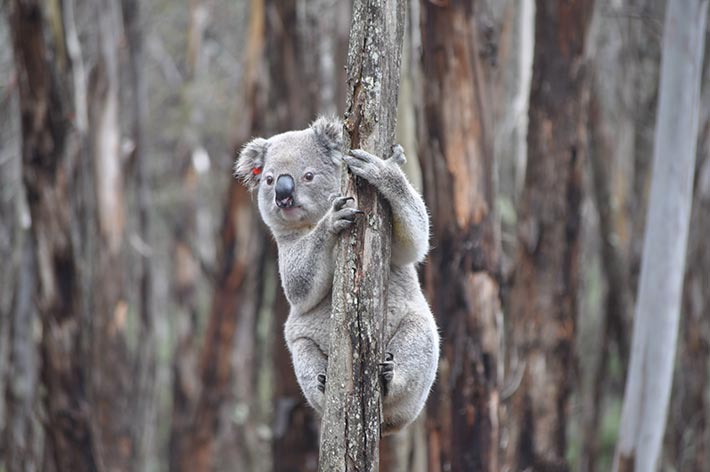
(340, 216)
(321, 382)
(387, 371)
(365, 165)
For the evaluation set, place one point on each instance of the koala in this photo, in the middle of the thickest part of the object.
(296, 177)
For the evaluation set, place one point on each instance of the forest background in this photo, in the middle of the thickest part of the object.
(140, 308)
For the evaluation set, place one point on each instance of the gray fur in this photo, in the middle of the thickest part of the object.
(306, 237)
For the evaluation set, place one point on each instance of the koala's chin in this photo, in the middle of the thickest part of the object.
(297, 177)
(287, 220)
(293, 216)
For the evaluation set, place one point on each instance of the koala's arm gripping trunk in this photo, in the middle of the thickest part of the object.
(352, 415)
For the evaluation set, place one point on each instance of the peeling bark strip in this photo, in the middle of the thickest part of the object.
(353, 409)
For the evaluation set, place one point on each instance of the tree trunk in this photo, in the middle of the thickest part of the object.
(646, 50)
(353, 409)
(543, 297)
(688, 432)
(236, 299)
(186, 264)
(623, 65)
(456, 122)
(105, 240)
(22, 429)
(660, 286)
(145, 362)
(49, 176)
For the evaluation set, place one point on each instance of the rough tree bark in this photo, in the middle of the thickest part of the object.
(50, 175)
(543, 297)
(456, 122)
(660, 287)
(352, 415)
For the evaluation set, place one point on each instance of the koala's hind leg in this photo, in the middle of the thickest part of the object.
(414, 348)
(310, 364)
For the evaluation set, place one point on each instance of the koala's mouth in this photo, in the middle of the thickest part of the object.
(285, 202)
(290, 211)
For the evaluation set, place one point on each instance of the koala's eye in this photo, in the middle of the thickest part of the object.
(269, 180)
(308, 176)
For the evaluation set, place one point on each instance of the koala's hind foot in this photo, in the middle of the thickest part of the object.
(415, 346)
(387, 372)
(310, 364)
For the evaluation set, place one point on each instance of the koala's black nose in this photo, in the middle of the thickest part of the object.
(284, 191)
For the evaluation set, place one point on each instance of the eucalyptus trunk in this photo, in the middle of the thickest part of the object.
(658, 303)
(543, 298)
(350, 431)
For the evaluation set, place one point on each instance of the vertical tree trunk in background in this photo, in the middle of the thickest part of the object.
(543, 297)
(623, 48)
(185, 263)
(237, 293)
(455, 125)
(688, 432)
(109, 364)
(20, 431)
(49, 175)
(353, 409)
(610, 128)
(20, 435)
(658, 303)
(646, 51)
(144, 366)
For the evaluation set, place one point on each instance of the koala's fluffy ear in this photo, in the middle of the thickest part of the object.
(250, 162)
(329, 132)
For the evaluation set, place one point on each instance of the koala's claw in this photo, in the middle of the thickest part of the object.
(397, 155)
(348, 214)
(340, 201)
(343, 218)
(387, 371)
(362, 155)
(321, 382)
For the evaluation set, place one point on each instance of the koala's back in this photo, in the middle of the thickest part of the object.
(405, 302)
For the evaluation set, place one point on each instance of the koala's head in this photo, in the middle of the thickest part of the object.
(295, 174)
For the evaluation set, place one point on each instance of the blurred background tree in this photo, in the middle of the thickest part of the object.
(140, 308)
